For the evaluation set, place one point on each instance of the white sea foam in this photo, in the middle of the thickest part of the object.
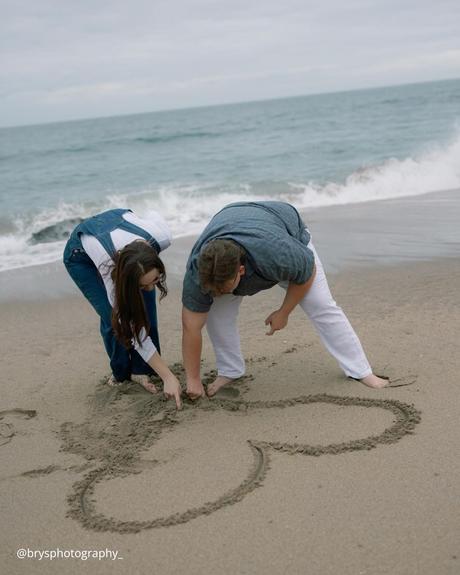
(437, 170)
(188, 208)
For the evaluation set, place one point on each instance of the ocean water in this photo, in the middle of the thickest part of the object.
(321, 150)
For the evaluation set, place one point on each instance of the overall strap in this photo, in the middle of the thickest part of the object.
(134, 229)
(102, 224)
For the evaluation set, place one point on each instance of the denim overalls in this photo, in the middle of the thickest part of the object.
(84, 273)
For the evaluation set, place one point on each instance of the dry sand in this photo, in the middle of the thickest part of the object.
(272, 476)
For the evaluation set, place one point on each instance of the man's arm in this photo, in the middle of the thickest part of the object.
(192, 324)
(294, 295)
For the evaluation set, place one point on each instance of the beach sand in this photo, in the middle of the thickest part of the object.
(268, 477)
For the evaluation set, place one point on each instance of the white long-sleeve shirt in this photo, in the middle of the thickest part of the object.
(157, 227)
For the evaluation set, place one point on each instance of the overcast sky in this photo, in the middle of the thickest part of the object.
(68, 59)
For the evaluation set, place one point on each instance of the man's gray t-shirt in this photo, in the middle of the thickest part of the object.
(274, 238)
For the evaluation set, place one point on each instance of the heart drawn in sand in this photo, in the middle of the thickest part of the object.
(121, 462)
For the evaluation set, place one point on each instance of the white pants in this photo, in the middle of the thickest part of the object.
(328, 318)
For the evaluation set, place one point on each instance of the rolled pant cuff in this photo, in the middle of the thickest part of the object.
(359, 377)
(231, 375)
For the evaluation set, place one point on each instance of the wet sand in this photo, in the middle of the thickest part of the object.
(294, 469)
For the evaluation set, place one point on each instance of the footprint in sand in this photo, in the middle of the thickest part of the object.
(7, 430)
(227, 392)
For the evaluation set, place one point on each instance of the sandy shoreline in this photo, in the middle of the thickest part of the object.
(89, 467)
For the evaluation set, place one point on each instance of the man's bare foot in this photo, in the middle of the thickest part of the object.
(144, 380)
(374, 381)
(195, 390)
(219, 382)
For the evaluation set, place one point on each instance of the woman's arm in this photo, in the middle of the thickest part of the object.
(171, 385)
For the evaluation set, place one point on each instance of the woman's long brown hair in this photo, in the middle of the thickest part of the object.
(129, 314)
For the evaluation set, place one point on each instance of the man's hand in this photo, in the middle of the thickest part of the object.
(276, 320)
(294, 295)
(195, 389)
(171, 389)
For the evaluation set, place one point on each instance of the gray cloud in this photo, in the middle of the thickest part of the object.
(63, 59)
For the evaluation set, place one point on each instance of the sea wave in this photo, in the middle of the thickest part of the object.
(436, 170)
(162, 139)
(23, 156)
(38, 239)
(103, 144)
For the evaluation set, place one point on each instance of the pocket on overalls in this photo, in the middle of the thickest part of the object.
(72, 255)
(78, 254)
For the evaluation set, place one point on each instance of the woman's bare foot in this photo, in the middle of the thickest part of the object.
(219, 382)
(374, 381)
(144, 380)
(112, 382)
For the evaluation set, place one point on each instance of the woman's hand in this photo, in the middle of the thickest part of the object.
(172, 389)
(171, 386)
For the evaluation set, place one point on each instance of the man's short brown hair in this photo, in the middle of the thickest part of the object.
(219, 262)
